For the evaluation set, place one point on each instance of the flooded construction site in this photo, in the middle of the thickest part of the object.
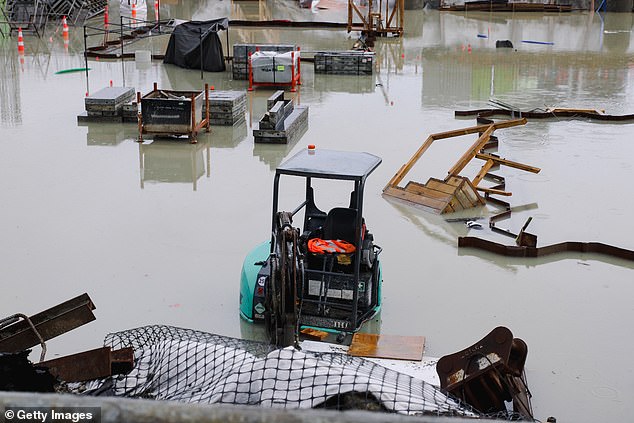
(156, 230)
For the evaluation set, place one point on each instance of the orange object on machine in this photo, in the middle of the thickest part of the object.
(323, 246)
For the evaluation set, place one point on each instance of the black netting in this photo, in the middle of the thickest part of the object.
(191, 366)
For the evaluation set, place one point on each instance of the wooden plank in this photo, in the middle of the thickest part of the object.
(448, 209)
(564, 109)
(472, 193)
(398, 177)
(455, 204)
(441, 186)
(495, 191)
(483, 171)
(509, 163)
(464, 200)
(434, 204)
(460, 132)
(481, 142)
(420, 189)
(387, 346)
(454, 181)
(471, 152)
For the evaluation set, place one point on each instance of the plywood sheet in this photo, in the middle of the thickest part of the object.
(387, 346)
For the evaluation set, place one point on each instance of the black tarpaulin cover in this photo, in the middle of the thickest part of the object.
(185, 50)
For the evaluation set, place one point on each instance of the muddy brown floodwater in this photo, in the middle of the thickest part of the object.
(165, 244)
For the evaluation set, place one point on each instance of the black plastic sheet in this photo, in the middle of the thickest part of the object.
(196, 45)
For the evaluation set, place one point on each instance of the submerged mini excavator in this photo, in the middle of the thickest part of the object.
(324, 276)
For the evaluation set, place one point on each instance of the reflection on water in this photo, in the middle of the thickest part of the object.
(353, 84)
(170, 161)
(506, 72)
(274, 154)
(10, 101)
(109, 134)
(229, 136)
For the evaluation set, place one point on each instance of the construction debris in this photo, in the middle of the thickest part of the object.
(107, 105)
(350, 62)
(455, 192)
(18, 333)
(89, 365)
(282, 122)
(21, 334)
(489, 373)
(532, 251)
(547, 113)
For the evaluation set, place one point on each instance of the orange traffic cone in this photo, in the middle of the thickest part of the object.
(20, 41)
(64, 28)
(156, 10)
(134, 10)
(65, 33)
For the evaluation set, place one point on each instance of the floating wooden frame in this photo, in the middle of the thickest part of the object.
(455, 192)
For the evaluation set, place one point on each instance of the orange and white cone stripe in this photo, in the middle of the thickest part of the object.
(20, 41)
(64, 27)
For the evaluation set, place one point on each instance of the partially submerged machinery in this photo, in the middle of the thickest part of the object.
(326, 275)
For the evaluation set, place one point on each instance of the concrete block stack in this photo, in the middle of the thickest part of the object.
(130, 111)
(240, 63)
(350, 62)
(106, 105)
(283, 122)
(226, 108)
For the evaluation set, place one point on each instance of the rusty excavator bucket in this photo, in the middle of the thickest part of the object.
(488, 374)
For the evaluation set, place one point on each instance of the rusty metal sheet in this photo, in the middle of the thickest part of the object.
(49, 323)
(89, 365)
(387, 346)
(552, 114)
(530, 251)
